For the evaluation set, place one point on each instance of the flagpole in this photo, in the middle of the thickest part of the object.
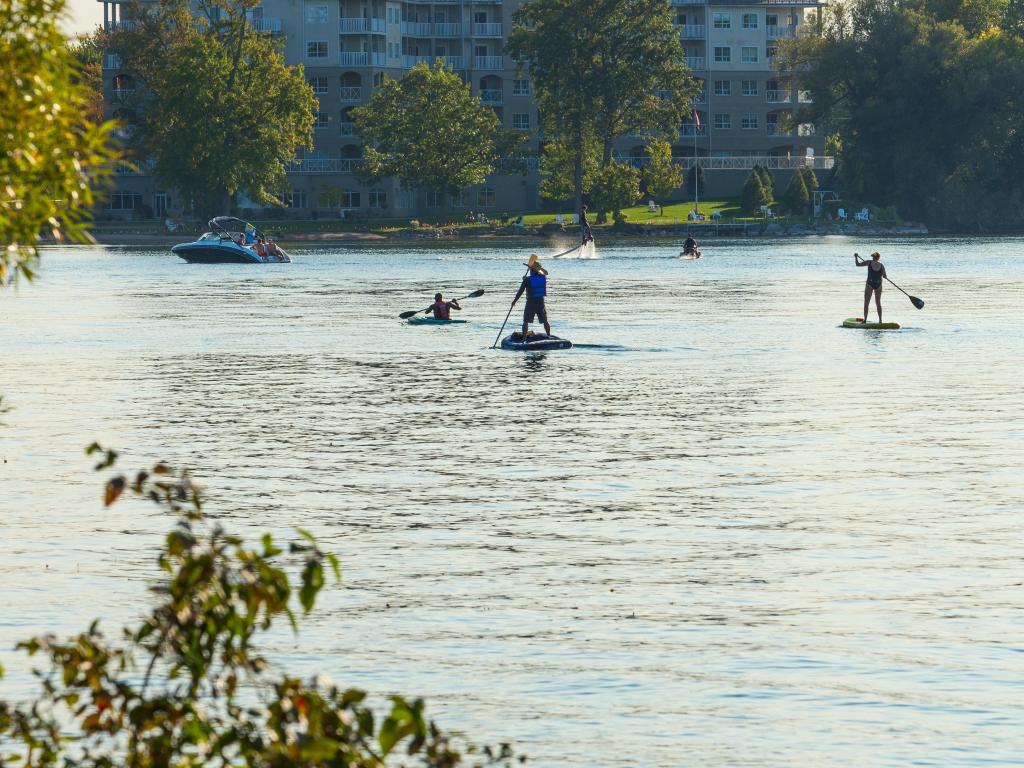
(696, 168)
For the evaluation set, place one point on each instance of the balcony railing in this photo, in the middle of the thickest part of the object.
(360, 26)
(347, 129)
(774, 129)
(487, 62)
(323, 165)
(409, 61)
(772, 162)
(781, 33)
(489, 29)
(121, 94)
(449, 29)
(351, 93)
(416, 28)
(128, 25)
(695, 62)
(492, 96)
(778, 97)
(691, 31)
(265, 24)
(361, 58)
(693, 130)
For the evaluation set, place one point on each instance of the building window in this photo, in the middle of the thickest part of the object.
(378, 198)
(160, 204)
(723, 54)
(350, 199)
(316, 49)
(723, 87)
(723, 21)
(378, 79)
(321, 121)
(485, 197)
(748, 54)
(750, 87)
(771, 20)
(434, 199)
(723, 121)
(771, 51)
(294, 199)
(121, 201)
(460, 200)
(749, 122)
(316, 14)
(319, 84)
(394, 15)
(520, 87)
(750, 21)
(521, 121)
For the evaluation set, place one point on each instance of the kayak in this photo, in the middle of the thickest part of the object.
(536, 342)
(854, 322)
(432, 321)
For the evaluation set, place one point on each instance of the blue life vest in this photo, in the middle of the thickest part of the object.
(538, 286)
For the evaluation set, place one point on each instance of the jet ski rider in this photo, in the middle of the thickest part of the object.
(535, 284)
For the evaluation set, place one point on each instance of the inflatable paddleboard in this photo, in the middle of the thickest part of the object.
(432, 321)
(536, 342)
(854, 322)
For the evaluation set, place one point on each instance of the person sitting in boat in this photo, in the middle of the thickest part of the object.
(587, 232)
(273, 252)
(535, 285)
(876, 271)
(443, 309)
(690, 246)
(261, 248)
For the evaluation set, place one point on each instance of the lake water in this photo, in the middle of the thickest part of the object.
(722, 531)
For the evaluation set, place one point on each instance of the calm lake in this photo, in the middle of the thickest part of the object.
(722, 531)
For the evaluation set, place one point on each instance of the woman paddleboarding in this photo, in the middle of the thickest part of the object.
(876, 271)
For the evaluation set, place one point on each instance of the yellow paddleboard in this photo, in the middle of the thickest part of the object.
(853, 322)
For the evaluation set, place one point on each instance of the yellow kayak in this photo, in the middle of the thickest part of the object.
(853, 322)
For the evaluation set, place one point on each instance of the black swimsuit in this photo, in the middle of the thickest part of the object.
(874, 277)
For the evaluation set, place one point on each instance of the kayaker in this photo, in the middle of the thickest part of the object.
(535, 285)
(690, 246)
(587, 232)
(876, 271)
(443, 309)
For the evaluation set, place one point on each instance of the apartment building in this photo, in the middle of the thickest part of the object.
(347, 47)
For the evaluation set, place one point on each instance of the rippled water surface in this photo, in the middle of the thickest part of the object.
(722, 531)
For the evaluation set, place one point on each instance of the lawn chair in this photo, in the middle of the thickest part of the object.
(841, 214)
(559, 219)
(652, 207)
(862, 215)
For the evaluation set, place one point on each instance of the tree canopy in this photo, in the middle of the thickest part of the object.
(428, 129)
(214, 107)
(54, 157)
(925, 96)
(661, 176)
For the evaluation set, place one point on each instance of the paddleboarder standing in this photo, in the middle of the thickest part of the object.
(876, 271)
(535, 285)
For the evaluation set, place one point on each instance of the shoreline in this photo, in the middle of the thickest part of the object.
(770, 231)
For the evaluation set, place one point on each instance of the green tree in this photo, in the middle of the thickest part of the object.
(796, 196)
(216, 109)
(88, 52)
(613, 187)
(54, 157)
(766, 181)
(753, 195)
(169, 693)
(557, 168)
(694, 176)
(810, 180)
(428, 130)
(661, 176)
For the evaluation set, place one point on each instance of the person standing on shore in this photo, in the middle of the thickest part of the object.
(876, 271)
(535, 285)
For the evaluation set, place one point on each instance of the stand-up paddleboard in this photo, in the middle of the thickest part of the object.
(856, 322)
(432, 321)
(535, 343)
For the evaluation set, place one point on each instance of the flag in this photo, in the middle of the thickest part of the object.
(696, 117)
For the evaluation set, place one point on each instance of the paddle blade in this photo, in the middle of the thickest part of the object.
(410, 313)
(917, 302)
(476, 294)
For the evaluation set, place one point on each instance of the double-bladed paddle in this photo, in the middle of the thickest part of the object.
(411, 312)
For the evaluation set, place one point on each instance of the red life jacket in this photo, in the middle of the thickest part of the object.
(442, 311)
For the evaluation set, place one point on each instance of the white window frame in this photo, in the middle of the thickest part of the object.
(485, 197)
(377, 198)
(723, 121)
(319, 17)
(314, 45)
(521, 121)
(750, 21)
(521, 87)
(750, 121)
(722, 20)
(321, 121)
(749, 88)
(723, 54)
(723, 87)
(748, 54)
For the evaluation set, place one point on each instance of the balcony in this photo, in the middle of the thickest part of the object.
(409, 61)
(487, 30)
(691, 31)
(692, 130)
(778, 97)
(416, 28)
(452, 62)
(774, 129)
(347, 129)
(265, 24)
(781, 33)
(700, 98)
(309, 165)
(122, 94)
(689, 2)
(351, 93)
(696, 62)
(361, 58)
(492, 97)
(361, 26)
(125, 26)
(488, 62)
(449, 29)
(111, 61)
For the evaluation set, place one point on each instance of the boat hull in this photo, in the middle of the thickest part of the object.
(214, 253)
